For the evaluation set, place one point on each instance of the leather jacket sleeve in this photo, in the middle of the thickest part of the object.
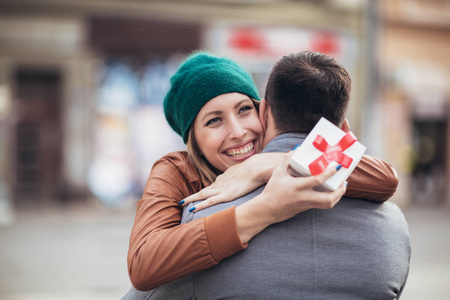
(161, 249)
(373, 179)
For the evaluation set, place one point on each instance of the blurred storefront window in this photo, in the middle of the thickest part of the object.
(110, 174)
(131, 132)
(258, 46)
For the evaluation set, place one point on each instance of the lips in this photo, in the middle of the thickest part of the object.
(241, 151)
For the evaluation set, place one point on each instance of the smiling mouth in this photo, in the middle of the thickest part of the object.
(241, 151)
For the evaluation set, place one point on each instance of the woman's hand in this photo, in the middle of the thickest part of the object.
(237, 180)
(283, 197)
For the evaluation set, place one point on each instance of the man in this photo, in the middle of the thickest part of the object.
(357, 250)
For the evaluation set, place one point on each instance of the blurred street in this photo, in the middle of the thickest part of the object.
(81, 254)
(429, 273)
(65, 254)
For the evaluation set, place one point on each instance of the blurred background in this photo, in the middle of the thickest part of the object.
(81, 122)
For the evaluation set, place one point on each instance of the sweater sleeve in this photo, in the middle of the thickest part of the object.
(372, 179)
(161, 249)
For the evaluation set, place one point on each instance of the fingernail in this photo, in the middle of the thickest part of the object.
(296, 147)
(338, 167)
(181, 202)
(192, 209)
(346, 183)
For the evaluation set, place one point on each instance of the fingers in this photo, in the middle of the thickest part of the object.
(202, 195)
(205, 198)
(287, 158)
(284, 165)
(327, 200)
(343, 188)
(322, 177)
(209, 202)
(335, 197)
(337, 194)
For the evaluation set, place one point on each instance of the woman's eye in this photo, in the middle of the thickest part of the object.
(245, 108)
(212, 121)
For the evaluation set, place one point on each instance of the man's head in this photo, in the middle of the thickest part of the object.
(304, 87)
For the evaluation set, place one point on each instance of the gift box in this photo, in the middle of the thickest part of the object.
(327, 146)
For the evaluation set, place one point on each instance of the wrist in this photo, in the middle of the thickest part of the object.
(257, 168)
(262, 166)
(252, 217)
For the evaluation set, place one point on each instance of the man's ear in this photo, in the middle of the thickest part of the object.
(345, 126)
(263, 113)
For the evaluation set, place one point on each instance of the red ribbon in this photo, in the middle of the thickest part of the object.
(331, 153)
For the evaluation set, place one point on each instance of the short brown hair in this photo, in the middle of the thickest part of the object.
(304, 87)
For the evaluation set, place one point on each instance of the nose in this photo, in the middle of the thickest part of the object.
(237, 131)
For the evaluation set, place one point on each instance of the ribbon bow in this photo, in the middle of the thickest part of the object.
(332, 153)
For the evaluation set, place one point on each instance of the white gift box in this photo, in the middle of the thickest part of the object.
(326, 147)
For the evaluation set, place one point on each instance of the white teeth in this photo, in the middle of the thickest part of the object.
(241, 152)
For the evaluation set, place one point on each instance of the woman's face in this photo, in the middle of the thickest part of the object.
(228, 130)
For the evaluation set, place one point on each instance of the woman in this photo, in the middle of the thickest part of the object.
(161, 249)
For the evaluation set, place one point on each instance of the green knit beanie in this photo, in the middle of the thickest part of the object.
(199, 79)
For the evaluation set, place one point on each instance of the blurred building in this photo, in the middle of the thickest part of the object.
(415, 93)
(82, 82)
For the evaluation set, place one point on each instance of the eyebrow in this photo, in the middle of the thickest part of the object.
(219, 112)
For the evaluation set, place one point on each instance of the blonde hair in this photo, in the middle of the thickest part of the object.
(204, 169)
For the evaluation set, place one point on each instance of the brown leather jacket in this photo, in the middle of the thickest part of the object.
(162, 250)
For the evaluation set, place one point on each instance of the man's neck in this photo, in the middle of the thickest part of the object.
(269, 135)
(284, 142)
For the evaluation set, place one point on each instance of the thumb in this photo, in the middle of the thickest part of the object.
(285, 162)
